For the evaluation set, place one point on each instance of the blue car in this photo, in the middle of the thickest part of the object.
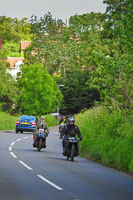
(26, 123)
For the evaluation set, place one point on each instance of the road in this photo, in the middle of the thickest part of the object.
(26, 174)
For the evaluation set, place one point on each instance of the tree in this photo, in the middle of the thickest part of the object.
(38, 91)
(77, 95)
(12, 49)
(12, 29)
(65, 51)
(46, 44)
(112, 75)
(8, 87)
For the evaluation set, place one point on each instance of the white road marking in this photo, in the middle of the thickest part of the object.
(18, 140)
(49, 182)
(12, 143)
(13, 154)
(26, 137)
(10, 148)
(25, 165)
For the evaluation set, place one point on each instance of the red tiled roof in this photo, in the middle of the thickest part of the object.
(13, 60)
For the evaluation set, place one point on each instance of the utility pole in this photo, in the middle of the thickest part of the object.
(61, 85)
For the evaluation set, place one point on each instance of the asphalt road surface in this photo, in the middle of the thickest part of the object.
(26, 174)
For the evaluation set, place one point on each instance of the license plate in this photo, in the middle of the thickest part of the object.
(71, 138)
(25, 122)
(41, 135)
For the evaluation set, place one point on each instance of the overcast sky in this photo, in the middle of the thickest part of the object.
(60, 9)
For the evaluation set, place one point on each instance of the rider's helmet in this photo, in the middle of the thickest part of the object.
(71, 120)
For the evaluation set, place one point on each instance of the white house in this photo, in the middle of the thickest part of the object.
(15, 63)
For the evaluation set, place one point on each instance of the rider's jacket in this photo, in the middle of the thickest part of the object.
(70, 131)
(41, 126)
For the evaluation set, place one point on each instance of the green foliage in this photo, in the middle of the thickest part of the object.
(8, 86)
(7, 121)
(38, 91)
(112, 78)
(14, 30)
(52, 121)
(107, 137)
(59, 48)
(76, 93)
(12, 49)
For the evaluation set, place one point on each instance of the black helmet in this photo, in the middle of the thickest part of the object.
(71, 119)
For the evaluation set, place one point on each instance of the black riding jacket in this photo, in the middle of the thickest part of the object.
(70, 131)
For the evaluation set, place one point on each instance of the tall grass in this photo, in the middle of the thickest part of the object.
(7, 121)
(107, 137)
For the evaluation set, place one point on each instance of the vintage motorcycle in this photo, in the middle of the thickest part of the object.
(71, 149)
(41, 139)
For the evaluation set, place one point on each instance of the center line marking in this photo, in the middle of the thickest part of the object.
(13, 154)
(10, 148)
(12, 143)
(26, 137)
(18, 140)
(25, 165)
(49, 182)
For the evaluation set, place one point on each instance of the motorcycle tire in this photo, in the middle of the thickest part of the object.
(72, 152)
(40, 144)
(67, 157)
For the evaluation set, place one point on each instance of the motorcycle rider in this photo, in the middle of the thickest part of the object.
(69, 130)
(63, 120)
(40, 125)
(62, 123)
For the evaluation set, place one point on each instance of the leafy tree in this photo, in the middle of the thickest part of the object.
(12, 29)
(38, 91)
(8, 87)
(65, 50)
(112, 75)
(77, 95)
(119, 22)
(46, 44)
(12, 49)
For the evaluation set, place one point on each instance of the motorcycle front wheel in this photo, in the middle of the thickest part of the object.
(40, 144)
(72, 152)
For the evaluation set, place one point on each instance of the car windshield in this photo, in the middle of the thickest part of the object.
(27, 118)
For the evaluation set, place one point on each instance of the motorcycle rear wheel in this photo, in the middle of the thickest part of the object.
(67, 157)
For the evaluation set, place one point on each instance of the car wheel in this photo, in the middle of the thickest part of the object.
(21, 131)
(17, 131)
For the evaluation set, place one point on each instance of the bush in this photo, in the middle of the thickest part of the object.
(107, 137)
(7, 121)
(52, 121)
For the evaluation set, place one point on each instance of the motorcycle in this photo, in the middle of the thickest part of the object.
(61, 126)
(41, 140)
(71, 149)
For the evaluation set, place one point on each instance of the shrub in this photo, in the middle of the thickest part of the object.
(107, 137)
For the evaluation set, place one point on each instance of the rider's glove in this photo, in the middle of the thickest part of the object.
(47, 132)
(80, 137)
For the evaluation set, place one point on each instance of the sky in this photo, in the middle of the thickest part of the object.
(60, 9)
